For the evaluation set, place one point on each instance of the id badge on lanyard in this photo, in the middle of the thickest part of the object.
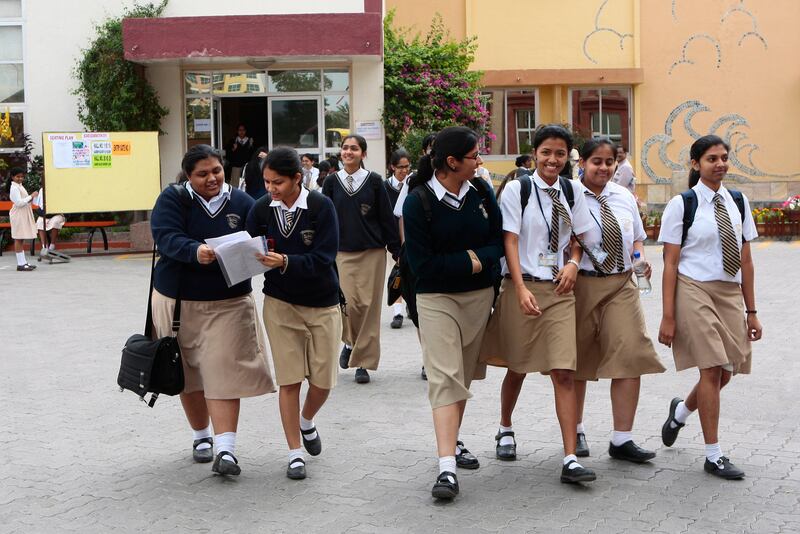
(548, 259)
(599, 254)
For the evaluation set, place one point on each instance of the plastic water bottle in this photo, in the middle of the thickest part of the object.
(639, 267)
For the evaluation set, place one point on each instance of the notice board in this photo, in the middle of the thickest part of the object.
(100, 171)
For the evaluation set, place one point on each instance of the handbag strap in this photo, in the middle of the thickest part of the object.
(176, 313)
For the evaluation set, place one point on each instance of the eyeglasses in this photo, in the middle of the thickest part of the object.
(475, 157)
(402, 166)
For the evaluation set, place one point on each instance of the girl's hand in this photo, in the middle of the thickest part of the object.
(34, 194)
(205, 255)
(527, 302)
(754, 329)
(648, 269)
(666, 333)
(273, 260)
(566, 279)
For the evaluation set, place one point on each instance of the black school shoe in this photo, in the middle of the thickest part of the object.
(344, 357)
(397, 322)
(668, 433)
(446, 486)
(26, 267)
(423, 375)
(723, 469)
(578, 474)
(582, 446)
(506, 452)
(203, 456)
(312, 446)
(466, 460)
(226, 467)
(362, 376)
(630, 452)
(298, 472)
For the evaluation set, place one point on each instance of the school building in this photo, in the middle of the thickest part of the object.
(651, 74)
(300, 73)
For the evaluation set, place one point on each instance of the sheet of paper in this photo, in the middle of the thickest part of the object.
(238, 259)
(214, 242)
(62, 154)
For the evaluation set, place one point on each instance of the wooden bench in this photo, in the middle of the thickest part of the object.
(93, 226)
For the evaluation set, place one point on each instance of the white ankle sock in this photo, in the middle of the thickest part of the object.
(52, 246)
(225, 442)
(295, 454)
(200, 434)
(458, 449)
(447, 463)
(21, 259)
(397, 308)
(349, 347)
(713, 452)
(305, 424)
(681, 414)
(580, 428)
(620, 438)
(506, 440)
(572, 458)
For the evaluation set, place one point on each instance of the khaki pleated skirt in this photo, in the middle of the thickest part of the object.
(304, 342)
(710, 326)
(222, 345)
(451, 327)
(610, 330)
(362, 277)
(21, 218)
(527, 344)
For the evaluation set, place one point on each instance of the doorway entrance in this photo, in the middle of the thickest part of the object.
(230, 112)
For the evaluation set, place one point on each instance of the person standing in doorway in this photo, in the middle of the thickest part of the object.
(400, 165)
(23, 226)
(310, 172)
(239, 152)
(624, 175)
(367, 229)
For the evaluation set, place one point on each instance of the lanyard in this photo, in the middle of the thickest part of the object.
(541, 209)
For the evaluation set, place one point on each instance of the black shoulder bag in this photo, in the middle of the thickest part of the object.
(153, 366)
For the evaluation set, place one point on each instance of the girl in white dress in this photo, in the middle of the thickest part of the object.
(21, 215)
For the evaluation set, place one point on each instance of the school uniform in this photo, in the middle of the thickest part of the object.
(221, 341)
(56, 221)
(393, 188)
(520, 342)
(21, 213)
(453, 304)
(710, 325)
(366, 228)
(301, 304)
(611, 334)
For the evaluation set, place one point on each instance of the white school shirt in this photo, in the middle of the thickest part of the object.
(15, 195)
(533, 231)
(358, 178)
(624, 176)
(443, 195)
(395, 183)
(216, 202)
(623, 205)
(310, 178)
(701, 254)
(301, 202)
(401, 199)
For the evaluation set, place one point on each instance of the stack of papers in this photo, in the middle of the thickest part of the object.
(236, 254)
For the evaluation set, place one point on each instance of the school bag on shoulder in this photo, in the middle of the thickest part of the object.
(315, 202)
(526, 187)
(408, 281)
(155, 366)
(690, 208)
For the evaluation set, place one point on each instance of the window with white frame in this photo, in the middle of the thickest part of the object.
(512, 121)
(602, 112)
(12, 76)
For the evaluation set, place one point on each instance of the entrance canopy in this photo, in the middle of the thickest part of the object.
(238, 38)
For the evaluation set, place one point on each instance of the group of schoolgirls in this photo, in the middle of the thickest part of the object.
(568, 305)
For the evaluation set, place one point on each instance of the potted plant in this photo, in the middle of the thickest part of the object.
(791, 208)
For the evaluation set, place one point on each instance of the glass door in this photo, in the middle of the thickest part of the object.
(296, 121)
(217, 139)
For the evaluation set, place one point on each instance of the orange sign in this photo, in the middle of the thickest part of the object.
(121, 148)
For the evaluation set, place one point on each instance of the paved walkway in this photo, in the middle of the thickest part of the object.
(80, 456)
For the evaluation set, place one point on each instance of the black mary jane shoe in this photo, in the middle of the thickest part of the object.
(423, 375)
(26, 268)
(362, 376)
(344, 357)
(298, 472)
(203, 456)
(669, 433)
(581, 446)
(312, 446)
(630, 452)
(506, 452)
(226, 467)
(397, 322)
(446, 486)
(465, 459)
(576, 474)
(723, 468)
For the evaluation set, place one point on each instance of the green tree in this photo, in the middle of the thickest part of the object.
(113, 93)
(427, 85)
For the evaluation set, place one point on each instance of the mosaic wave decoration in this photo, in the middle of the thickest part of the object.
(600, 29)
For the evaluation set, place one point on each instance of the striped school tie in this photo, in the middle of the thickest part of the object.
(350, 183)
(731, 260)
(288, 219)
(612, 236)
(558, 211)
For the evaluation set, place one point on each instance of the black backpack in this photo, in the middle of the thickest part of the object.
(408, 281)
(526, 186)
(690, 208)
(315, 202)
